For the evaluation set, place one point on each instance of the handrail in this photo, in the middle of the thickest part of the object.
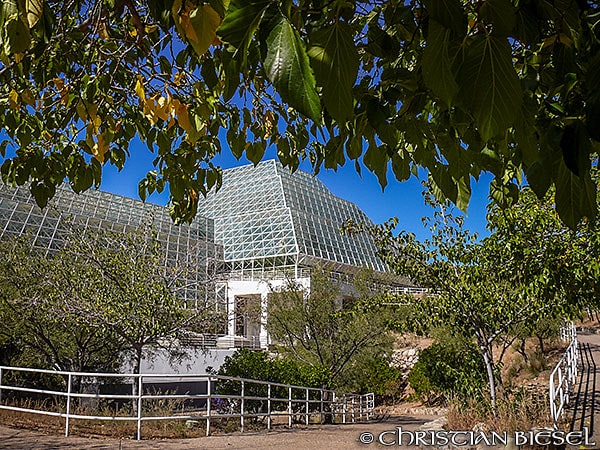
(564, 375)
(306, 400)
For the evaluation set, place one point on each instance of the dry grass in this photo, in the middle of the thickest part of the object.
(520, 410)
(153, 429)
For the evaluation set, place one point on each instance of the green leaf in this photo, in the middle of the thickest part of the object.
(287, 67)
(334, 153)
(335, 62)
(255, 151)
(204, 21)
(501, 14)
(16, 35)
(569, 196)
(209, 74)
(376, 160)
(220, 6)
(576, 148)
(449, 13)
(525, 132)
(377, 114)
(437, 62)
(444, 182)
(380, 43)
(489, 86)
(400, 167)
(354, 147)
(241, 22)
(463, 193)
(505, 195)
(41, 193)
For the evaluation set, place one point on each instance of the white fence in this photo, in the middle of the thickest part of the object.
(216, 397)
(564, 374)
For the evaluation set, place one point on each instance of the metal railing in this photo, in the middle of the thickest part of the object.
(217, 397)
(568, 332)
(564, 374)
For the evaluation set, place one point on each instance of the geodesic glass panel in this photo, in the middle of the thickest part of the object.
(190, 247)
(265, 211)
(251, 218)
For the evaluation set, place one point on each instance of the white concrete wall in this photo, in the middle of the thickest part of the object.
(197, 362)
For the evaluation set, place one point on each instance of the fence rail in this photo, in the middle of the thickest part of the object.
(564, 374)
(213, 397)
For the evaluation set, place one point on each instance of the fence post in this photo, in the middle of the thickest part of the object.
(242, 408)
(321, 391)
(344, 408)
(269, 406)
(208, 397)
(68, 405)
(139, 407)
(290, 407)
(306, 419)
(360, 407)
(0, 385)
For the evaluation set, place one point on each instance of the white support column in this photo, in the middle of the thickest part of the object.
(263, 334)
(230, 312)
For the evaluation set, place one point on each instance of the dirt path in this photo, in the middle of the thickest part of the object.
(586, 402)
(310, 438)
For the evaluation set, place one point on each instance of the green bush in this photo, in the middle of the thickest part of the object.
(372, 374)
(256, 365)
(448, 368)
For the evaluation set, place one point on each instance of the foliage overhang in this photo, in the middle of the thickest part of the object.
(510, 87)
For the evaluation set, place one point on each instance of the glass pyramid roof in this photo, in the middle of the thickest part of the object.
(266, 212)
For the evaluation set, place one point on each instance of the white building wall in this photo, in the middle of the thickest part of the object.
(196, 362)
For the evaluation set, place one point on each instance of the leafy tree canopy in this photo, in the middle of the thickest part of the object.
(530, 269)
(101, 300)
(317, 330)
(458, 87)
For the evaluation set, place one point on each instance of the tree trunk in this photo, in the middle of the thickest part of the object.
(541, 341)
(523, 351)
(135, 383)
(327, 414)
(488, 359)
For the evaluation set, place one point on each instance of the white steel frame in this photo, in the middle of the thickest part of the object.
(315, 402)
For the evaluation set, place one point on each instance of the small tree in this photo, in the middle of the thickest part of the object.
(36, 321)
(131, 291)
(311, 326)
(482, 290)
(106, 294)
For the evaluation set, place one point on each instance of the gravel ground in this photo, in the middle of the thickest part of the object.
(310, 438)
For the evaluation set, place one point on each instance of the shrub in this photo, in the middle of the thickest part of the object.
(448, 368)
(372, 374)
(255, 365)
(258, 365)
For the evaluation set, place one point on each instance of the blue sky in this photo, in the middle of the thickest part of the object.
(402, 200)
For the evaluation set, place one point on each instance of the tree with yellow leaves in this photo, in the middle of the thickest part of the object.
(457, 87)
